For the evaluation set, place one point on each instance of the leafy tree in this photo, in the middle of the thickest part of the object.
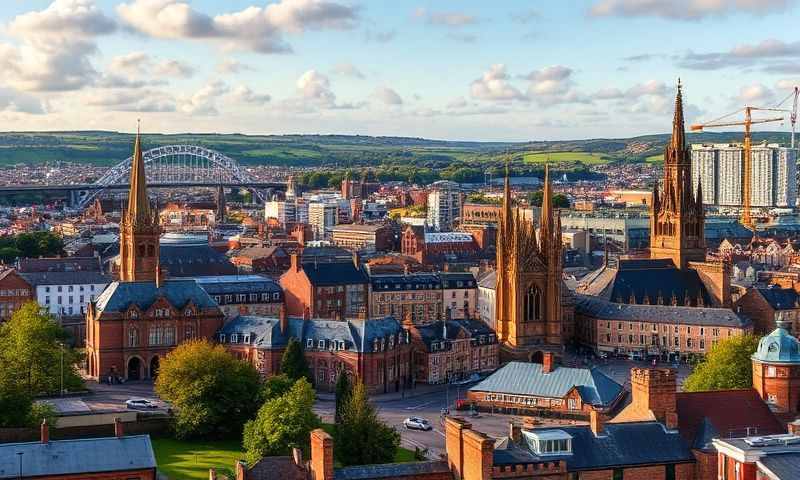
(212, 392)
(559, 200)
(31, 347)
(293, 362)
(361, 438)
(343, 392)
(726, 366)
(275, 386)
(282, 423)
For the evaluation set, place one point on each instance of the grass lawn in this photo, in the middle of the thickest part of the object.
(191, 459)
(659, 158)
(563, 157)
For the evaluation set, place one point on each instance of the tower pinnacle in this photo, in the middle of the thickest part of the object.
(138, 203)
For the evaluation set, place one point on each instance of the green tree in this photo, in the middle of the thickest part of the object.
(282, 423)
(293, 362)
(727, 365)
(343, 392)
(361, 438)
(212, 392)
(32, 347)
(559, 200)
(275, 386)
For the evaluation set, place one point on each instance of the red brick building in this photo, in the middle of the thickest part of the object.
(771, 304)
(14, 291)
(377, 351)
(437, 246)
(325, 289)
(776, 371)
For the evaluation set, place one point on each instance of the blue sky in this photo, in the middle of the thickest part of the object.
(503, 70)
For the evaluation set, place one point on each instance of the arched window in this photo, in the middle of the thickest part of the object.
(533, 304)
(133, 337)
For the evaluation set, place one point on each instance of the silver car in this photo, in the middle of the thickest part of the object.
(417, 423)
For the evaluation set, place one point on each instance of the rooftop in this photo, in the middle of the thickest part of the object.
(778, 347)
(118, 296)
(447, 237)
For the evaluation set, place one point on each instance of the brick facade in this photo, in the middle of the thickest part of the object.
(14, 291)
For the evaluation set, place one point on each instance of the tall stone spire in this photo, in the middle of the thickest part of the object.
(546, 221)
(678, 140)
(138, 203)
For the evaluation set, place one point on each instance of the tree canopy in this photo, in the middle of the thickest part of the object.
(212, 392)
(559, 199)
(293, 362)
(282, 423)
(30, 245)
(727, 365)
(343, 392)
(360, 437)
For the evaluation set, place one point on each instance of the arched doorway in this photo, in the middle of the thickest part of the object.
(154, 362)
(537, 357)
(134, 368)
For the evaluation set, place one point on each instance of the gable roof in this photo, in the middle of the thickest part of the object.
(523, 378)
(780, 298)
(780, 466)
(193, 260)
(392, 470)
(703, 416)
(118, 296)
(333, 273)
(78, 456)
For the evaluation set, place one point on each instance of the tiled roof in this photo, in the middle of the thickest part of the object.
(62, 264)
(599, 308)
(522, 378)
(447, 237)
(620, 444)
(262, 252)
(270, 468)
(725, 413)
(435, 332)
(413, 281)
(781, 466)
(66, 278)
(644, 278)
(489, 280)
(193, 260)
(118, 296)
(333, 273)
(392, 470)
(75, 457)
(780, 298)
(231, 284)
(451, 279)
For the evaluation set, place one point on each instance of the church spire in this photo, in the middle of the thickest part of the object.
(546, 223)
(678, 140)
(138, 203)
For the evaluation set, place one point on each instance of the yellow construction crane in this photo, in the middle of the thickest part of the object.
(746, 218)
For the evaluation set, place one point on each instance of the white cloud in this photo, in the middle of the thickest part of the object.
(230, 65)
(16, 101)
(687, 9)
(494, 85)
(447, 19)
(765, 52)
(140, 64)
(387, 96)
(203, 101)
(347, 70)
(134, 100)
(244, 94)
(316, 86)
(254, 28)
(755, 94)
(553, 85)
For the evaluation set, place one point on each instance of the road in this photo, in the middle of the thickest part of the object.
(426, 402)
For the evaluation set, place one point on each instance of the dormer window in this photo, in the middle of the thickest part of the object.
(234, 338)
(321, 344)
(133, 314)
(221, 338)
(309, 343)
(549, 442)
(189, 312)
(247, 338)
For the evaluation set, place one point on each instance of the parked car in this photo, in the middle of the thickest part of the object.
(140, 403)
(417, 423)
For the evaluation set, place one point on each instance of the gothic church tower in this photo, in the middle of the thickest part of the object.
(528, 292)
(139, 229)
(676, 216)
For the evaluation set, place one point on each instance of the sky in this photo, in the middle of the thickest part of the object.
(456, 70)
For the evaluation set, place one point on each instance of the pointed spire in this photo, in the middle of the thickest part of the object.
(506, 198)
(678, 141)
(138, 203)
(546, 223)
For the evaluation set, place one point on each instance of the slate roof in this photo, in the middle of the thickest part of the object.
(598, 308)
(644, 278)
(451, 279)
(79, 456)
(118, 296)
(780, 298)
(358, 335)
(61, 264)
(783, 466)
(703, 416)
(231, 284)
(523, 378)
(262, 252)
(194, 260)
(338, 273)
(435, 332)
(392, 470)
(66, 278)
(489, 280)
(414, 281)
(448, 237)
(270, 468)
(621, 444)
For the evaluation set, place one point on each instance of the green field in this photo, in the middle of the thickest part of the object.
(566, 157)
(180, 460)
(657, 159)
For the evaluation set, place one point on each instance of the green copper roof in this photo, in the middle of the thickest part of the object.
(778, 347)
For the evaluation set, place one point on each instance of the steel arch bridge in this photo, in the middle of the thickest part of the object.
(176, 165)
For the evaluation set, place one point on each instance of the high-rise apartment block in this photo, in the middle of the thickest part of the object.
(720, 168)
(444, 205)
(322, 217)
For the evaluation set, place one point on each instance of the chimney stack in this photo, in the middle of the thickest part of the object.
(654, 389)
(45, 431)
(283, 318)
(118, 430)
(596, 422)
(548, 362)
(294, 265)
(321, 455)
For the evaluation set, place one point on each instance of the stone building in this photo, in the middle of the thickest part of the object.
(243, 294)
(414, 295)
(356, 237)
(533, 313)
(141, 317)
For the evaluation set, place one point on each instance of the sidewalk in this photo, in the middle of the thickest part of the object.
(419, 390)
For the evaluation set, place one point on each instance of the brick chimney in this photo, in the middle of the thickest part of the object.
(478, 451)
(283, 318)
(654, 389)
(548, 362)
(294, 262)
(45, 431)
(321, 455)
(118, 430)
(454, 429)
(596, 422)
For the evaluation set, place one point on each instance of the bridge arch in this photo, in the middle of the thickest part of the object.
(176, 164)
